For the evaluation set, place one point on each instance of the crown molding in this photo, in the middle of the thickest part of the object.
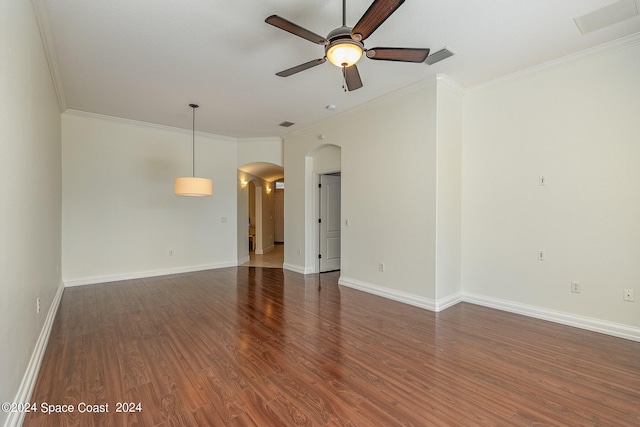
(447, 81)
(592, 52)
(410, 89)
(42, 17)
(261, 139)
(147, 124)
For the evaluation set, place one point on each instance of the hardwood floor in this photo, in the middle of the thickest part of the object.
(267, 347)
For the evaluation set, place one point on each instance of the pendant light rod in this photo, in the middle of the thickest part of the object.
(193, 141)
(192, 186)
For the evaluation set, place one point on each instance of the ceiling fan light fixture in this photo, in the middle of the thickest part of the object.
(344, 46)
(344, 53)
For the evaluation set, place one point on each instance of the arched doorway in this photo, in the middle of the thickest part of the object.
(257, 215)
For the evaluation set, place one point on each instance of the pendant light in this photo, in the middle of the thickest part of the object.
(190, 185)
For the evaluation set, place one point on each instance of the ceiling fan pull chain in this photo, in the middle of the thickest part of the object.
(344, 78)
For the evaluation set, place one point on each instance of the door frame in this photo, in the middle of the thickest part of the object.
(315, 235)
(325, 223)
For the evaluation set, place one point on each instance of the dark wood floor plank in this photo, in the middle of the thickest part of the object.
(266, 347)
(152, 412)
(289, 414)
(168, 381)
(208, 415)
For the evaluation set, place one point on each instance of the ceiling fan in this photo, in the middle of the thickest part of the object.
(344, 46)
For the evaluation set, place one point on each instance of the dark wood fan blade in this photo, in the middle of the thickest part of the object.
(403, 54)
(301, 67)
(295, 29)
(377, 13)
(352, 77)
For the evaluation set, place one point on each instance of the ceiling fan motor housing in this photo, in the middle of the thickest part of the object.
(342, 50)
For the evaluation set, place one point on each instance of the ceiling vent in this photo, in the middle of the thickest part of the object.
(438, 56)
(286, 124)
(608, 15)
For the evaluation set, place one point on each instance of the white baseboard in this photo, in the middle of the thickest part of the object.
(564, 318)
(297, 268)
(265, 250)
(448, 301)
(404, 297)
(139, 275)
(28, 383)
(244, 260)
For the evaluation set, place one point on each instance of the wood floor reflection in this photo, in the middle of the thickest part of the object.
(267, 347)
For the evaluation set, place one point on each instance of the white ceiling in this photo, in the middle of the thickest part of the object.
(147, 60)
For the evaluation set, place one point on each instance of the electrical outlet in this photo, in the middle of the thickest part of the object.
(541, 255)
(381, 266)
(299, 251)
(170, 252)
(628, 295)
(37, 305)
(576, 287)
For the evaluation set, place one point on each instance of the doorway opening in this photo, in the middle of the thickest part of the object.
(260, 217)
(329, 222)
(323, 253)
(266, 219)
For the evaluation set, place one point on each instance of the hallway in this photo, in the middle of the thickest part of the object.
(272, 259)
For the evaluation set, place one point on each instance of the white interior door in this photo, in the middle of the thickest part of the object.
(329, 222)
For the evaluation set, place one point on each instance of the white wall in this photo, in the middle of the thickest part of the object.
(449, 188)
(267, 150)
(388, 192)
(30, 192)
(120, 216)
(327, 159)
(577, 123)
